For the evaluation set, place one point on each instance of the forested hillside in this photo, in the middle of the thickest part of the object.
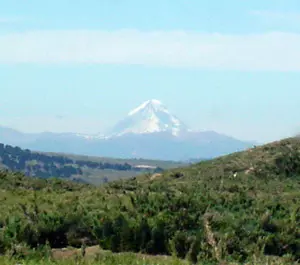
(46, 165)
(244, 207)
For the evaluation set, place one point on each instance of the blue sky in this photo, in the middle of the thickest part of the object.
(230, 66)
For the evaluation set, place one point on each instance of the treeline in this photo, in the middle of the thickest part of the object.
(46, 166)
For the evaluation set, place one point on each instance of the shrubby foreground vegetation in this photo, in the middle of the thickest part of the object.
(240, 208)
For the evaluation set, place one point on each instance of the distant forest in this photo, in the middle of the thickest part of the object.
(46, 166)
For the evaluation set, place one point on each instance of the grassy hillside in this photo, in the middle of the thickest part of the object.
(244, 207)
(94, 256)
(88, 169)
(108, 258)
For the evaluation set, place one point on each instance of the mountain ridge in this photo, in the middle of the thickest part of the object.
(149, 131)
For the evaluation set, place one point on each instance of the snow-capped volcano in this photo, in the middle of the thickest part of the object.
(149, 131)
(150, 117)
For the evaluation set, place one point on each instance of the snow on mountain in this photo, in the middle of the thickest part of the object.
(92, 137)
(153, 104)
(150, 117)
(149, 131)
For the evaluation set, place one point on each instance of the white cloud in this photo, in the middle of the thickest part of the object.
(261, 52)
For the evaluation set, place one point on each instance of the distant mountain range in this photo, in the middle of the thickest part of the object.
(149, 131)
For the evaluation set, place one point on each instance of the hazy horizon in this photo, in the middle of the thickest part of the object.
(230, 67)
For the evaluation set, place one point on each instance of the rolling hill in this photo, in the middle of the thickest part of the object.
(77, 168)
(240, 208)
